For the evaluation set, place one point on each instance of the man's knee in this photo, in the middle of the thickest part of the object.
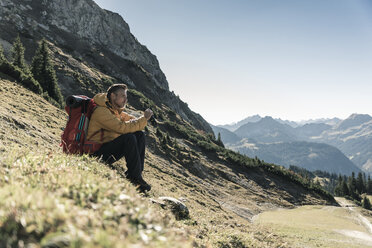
(129, 138)
(140, 135)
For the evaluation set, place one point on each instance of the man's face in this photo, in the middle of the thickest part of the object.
(119, 98)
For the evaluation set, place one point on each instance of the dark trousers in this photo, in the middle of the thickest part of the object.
(131, 146)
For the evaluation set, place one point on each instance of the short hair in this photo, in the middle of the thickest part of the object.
(114, 88)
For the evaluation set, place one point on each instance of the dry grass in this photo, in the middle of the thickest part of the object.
(43, 195)
(317, 226)
(46, 196)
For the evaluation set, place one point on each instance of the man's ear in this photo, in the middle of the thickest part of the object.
(111, 97)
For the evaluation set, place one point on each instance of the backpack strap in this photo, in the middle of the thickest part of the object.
(84, 108)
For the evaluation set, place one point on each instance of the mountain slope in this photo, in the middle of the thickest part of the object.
(353, 120)
(353, 137)
(222, 196)
(311, 129)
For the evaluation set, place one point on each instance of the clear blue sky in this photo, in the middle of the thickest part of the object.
(229, 59)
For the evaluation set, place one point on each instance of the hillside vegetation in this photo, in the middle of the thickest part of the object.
(48, 197)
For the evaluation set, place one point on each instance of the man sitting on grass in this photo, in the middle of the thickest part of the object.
(120, 133)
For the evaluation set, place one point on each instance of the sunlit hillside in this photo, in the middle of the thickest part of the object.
(50, 197)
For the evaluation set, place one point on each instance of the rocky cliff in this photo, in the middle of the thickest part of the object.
(81, 31)
(86, 20)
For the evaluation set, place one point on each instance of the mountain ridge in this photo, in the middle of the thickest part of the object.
(350, 136)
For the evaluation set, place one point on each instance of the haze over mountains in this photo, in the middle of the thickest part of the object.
(346, 145)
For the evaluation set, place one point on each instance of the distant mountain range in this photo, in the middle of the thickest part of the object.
(347, 144)
(255, 118)
(267, 130)
(353, 137)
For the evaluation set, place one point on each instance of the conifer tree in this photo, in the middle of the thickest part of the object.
(360, 184)
(352, 183)
(43, 71)
(169, 140)
(219, 141)
(18, 54)
(2, 56)
(338, 189)
(366, 203)
(365, 181)
(369, 185)
(344, 189)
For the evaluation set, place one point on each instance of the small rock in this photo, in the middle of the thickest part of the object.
(56, 240)
(178, 208)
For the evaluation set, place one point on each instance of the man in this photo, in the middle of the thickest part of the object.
(120, 133)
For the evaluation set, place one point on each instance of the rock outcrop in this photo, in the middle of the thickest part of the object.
(86, 20)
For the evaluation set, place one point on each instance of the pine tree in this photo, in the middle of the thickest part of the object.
(2, 56)
(352, 183)
(338, 189)
(365, 182)
(18, 54)
(43, 71)
(344, 189)
(219, 140)
(163, 142)
(366, 203)
(360, 184)
(169, 140)
(369, 185)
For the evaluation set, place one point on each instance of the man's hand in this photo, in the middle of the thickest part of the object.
(148, 113)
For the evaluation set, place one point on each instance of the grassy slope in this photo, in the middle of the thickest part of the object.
(45, 195)
(320, 226)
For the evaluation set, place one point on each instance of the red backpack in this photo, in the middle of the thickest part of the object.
(79, 109)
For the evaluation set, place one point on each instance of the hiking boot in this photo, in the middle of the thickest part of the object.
(141, 184)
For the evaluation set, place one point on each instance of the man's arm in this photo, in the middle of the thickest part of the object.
(126, 117)
(108, 121)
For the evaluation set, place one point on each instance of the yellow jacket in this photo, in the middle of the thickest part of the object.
(113, 122)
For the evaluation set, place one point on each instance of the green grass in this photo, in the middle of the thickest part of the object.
(43, 195)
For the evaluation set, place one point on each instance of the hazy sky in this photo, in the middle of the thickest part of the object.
(229, 59)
